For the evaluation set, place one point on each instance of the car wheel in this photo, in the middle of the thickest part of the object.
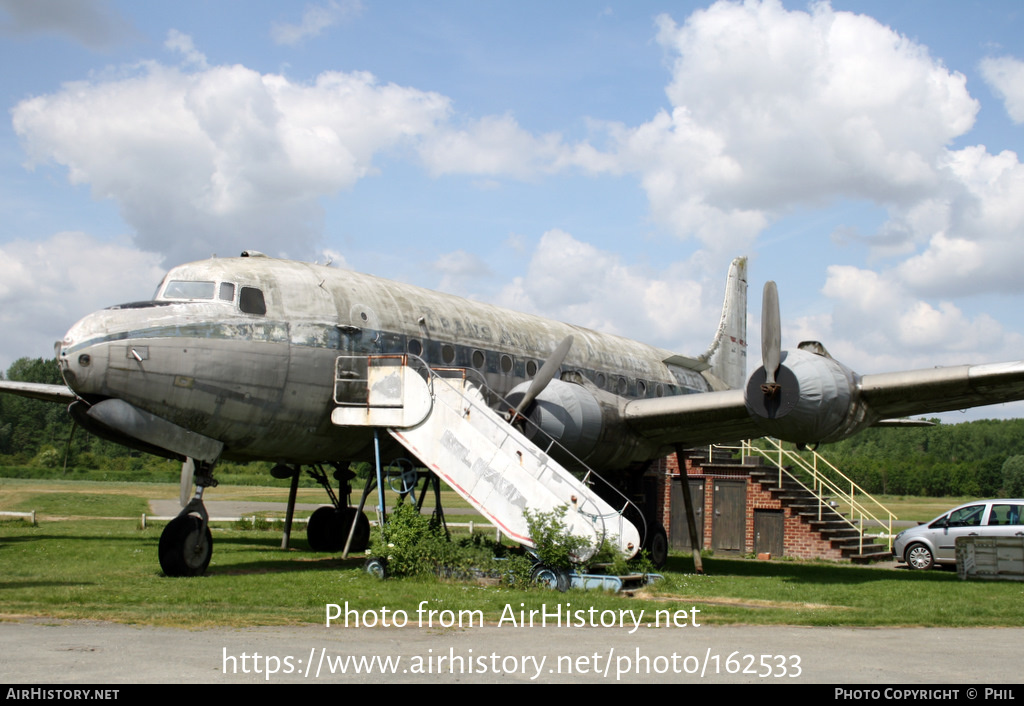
(919, 557)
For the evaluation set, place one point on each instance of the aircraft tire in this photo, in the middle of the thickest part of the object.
(549, 576)
(377, 566)
(320, 529)
(361, 535)
(185, 550)
(657, 546)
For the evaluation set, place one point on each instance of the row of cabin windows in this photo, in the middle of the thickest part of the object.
(250, 299)
(506, 364)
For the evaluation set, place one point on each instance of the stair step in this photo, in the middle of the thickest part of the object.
(883, 555)
(830, 525)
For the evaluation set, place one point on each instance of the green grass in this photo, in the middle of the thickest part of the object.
(107, 570)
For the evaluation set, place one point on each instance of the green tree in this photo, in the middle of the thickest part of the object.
(1013, 476)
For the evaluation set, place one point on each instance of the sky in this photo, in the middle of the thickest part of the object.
(596, 162)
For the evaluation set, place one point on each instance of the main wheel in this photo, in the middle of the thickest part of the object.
(185, 549)
(322, 529)
(919, 557)
(328, 529)
(361, 533)
(549, 576)
(657, 546)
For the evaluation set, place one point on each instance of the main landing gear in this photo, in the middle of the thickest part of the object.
(330, 528)
(185, 544)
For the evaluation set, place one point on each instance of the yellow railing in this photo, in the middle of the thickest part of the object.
(824, 481)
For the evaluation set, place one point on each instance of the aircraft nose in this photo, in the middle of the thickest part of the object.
(62, 363)
(79, 354)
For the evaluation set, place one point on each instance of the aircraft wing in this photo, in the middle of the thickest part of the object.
(693, 420)
(711, 417)
(942, 389)
(38, 391)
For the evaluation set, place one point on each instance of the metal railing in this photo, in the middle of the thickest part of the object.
(824, 481)
(350, 382)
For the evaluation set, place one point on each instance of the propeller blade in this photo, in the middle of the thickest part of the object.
(771, 337)
(67, 447)
(544, 375)
(188, 470)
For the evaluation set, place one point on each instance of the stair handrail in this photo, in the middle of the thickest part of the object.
(589, 476)
(432, 375)
(777, 455)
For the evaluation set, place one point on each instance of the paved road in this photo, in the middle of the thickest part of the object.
(49, 652)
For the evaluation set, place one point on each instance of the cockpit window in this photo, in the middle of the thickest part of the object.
(177, 289)
(227, 291)
(250, 301)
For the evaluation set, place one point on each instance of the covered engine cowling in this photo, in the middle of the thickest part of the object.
(814, 398)
(568, 413)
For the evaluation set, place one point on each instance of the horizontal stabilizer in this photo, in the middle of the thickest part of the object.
(903, 423)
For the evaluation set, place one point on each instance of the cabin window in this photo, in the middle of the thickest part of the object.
(623, 386)
(177, 289)
(506, 364)
(478, 360)
(600, 380)
(227, 292)
(641, 388)
(531, 368)
(448, 354)
(250, 301)
(415, 347)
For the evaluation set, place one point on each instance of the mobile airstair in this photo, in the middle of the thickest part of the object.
(444, 420)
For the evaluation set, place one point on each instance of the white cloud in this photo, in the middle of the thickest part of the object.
(1005, 75)
(183, 44)
(573, 281)
(774, 109)
(976, 236)
(315, 19)
(494, 145)
(877, 324)
(460, 270)
(223, 158)
(47, 286)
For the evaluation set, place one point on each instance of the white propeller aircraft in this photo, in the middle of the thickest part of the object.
(257, 358)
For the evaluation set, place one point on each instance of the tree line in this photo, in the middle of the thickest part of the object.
(978, 459)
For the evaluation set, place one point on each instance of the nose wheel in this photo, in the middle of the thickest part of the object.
(185, 546)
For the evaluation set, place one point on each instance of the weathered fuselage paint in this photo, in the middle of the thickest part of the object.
(262, 383)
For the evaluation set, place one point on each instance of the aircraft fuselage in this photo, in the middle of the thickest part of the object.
(244, 351)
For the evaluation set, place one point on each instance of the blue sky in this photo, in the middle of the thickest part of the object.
(597, 162)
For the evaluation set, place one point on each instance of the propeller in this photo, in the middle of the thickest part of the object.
(544, 376)
(771, 338)
(188, 470)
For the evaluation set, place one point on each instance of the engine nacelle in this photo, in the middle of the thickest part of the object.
(570, 414)
(816, 400)
(584, 420)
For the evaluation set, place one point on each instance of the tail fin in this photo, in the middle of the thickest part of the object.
(727, 354)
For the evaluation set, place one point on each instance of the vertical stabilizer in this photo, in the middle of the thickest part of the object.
(727, 353)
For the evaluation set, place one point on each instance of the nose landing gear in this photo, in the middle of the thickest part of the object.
(186, 545)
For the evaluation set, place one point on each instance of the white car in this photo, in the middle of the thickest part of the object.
(933, 543)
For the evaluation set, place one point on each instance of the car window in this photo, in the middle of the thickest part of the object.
(1005, 514)
(969, 516)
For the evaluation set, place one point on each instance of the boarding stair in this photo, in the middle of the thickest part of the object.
(835, 510)
(443, 418)
(825, 499)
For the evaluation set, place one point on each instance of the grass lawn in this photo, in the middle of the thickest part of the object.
(106, 569)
